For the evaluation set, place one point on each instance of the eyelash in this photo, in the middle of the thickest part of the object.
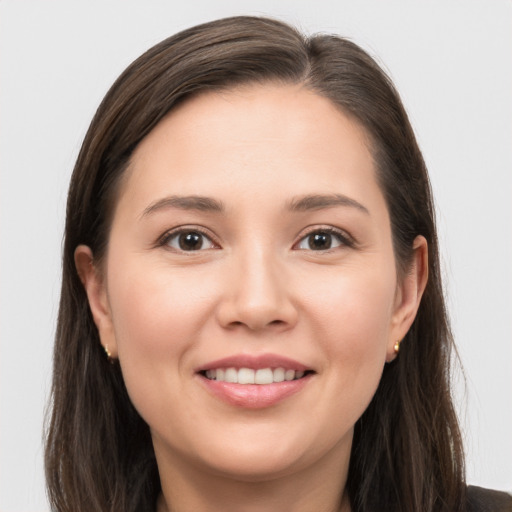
(169, 235)
(343, 238)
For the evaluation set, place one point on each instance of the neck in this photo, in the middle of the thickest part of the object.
(317, 488)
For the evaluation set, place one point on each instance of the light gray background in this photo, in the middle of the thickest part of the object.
(451, 61)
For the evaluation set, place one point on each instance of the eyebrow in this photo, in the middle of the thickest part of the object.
(198, 203)
(208, 204)
(319, 201)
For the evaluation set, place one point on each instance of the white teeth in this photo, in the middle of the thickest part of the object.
(289, 374)
(279, 375)
(231, 375)
(245, 376)
(250, 376)
(264, 376)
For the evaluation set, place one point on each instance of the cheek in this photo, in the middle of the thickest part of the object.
(351, 315)
(355, 306)
(156, 307)
(158, 314)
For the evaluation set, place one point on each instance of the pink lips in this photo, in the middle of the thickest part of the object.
(254, 396)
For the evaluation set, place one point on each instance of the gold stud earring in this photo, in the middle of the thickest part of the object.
(397, 346)
(109, 354)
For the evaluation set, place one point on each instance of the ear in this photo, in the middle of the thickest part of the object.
(408, 295)
(95, 288)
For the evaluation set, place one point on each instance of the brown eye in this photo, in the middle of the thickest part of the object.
(321, 240)
(189, 241)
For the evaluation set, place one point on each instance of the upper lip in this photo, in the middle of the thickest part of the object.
(256, 362)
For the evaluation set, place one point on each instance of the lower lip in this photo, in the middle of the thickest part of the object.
(254, 396)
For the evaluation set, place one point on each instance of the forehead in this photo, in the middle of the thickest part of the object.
(279, 137)
(245, 113)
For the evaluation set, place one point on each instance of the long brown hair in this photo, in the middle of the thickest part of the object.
(407, 454)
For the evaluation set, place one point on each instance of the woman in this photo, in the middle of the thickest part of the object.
(252, 314)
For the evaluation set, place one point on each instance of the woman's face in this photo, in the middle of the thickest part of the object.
(251, 242)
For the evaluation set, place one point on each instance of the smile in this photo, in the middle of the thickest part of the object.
(254, 382)
(261, 376)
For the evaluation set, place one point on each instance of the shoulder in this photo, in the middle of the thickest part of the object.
(487, 500)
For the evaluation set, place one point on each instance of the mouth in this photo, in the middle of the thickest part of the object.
(261, 376)
(254, 382)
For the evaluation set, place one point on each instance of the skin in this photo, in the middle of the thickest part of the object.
(256, 286)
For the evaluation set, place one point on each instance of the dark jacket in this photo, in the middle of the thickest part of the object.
(486, 500)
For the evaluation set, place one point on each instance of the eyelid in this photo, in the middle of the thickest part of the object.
(345, 238)
(163, 240)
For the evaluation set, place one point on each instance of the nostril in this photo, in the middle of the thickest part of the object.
(238, 323)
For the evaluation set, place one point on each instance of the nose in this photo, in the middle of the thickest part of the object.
(257, 295)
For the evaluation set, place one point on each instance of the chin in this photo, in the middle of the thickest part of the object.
(259, 468)
(269, 457)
